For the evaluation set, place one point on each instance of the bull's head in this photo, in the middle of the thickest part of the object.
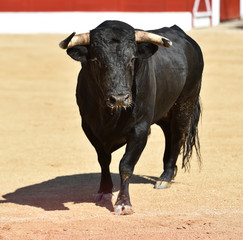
(108, 53)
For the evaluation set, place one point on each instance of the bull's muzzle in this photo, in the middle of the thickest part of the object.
(119, 101)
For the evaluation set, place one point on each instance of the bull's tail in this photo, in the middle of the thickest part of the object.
(192, 139)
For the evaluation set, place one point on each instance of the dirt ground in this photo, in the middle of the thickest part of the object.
(49, 172)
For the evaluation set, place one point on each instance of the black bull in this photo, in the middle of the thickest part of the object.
(124, 87)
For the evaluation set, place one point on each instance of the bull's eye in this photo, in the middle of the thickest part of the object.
(132, 60)
(96, 61)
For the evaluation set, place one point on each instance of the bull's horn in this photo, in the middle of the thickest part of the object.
(141, 36)
(74, 40)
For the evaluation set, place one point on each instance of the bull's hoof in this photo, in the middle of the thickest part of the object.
(123, 209)
(162, 184)
(103, 197)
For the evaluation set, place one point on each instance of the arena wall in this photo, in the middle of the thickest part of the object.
(62, 16)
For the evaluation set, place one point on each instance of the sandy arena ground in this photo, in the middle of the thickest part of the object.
(49, 172)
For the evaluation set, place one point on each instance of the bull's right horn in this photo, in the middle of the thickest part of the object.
(142, 36)
(74, 40)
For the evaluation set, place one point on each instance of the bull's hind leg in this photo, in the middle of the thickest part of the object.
(180, 129)
(173, 141)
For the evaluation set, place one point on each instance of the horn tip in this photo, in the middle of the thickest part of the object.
(64, 44)
(166, 42)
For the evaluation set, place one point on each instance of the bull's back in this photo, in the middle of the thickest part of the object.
(175, 68)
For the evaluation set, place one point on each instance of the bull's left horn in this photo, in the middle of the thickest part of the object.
(141, 36)
(74, 40)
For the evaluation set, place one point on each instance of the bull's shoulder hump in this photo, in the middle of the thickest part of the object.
(166, 29)
(170, 32)
(160, 30)
(176, 34)
(177, 28)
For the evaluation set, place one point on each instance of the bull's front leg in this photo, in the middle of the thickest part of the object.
(134, 148)
(105, 191)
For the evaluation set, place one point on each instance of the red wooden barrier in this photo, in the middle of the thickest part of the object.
(229, 9)
(97, 5)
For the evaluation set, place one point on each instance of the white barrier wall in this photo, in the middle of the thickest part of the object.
(215, 12)
(209, 17)
(241, 9)
(66, 22)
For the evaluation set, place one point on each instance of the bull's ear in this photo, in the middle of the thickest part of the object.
(146, 50)
(78, 53)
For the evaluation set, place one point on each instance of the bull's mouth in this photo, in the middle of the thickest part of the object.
(122, 101)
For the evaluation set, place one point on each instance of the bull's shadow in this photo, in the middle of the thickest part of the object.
(53, 194)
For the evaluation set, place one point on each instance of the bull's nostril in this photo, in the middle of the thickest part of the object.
(112, 100)
(126, 98)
